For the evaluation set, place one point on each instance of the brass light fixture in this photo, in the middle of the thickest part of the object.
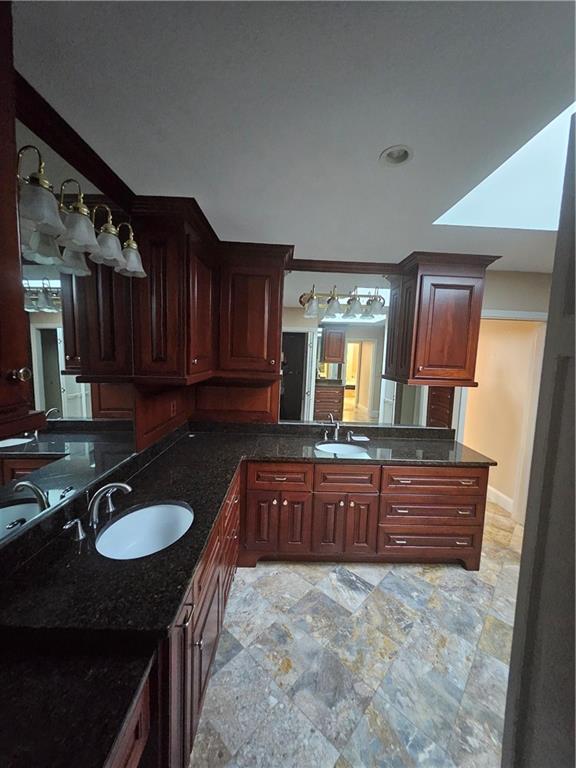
(79, 233)
(131, 254)
(110, 250)
(37, 205)
(313, 303)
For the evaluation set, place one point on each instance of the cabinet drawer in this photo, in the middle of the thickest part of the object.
(432, 510)
(449, 480)
(274, 477)
(426, 540)
(347, 478)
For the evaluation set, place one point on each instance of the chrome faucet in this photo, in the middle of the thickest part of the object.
(336, 425)
(105, 491)
(43, 502)
(51, 410)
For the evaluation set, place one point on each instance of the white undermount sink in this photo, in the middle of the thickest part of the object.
(341, 449)
(145, 530)
(12, 441)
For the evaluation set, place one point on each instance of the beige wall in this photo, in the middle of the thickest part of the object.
(500, 411)
(519, 291)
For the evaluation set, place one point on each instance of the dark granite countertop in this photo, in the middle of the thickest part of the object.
(67, 708)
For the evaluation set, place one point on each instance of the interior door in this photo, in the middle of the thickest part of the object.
(293, 375)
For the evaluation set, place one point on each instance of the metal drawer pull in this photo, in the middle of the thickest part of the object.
(281, 479)
(464, 512)
(462, 543)
(186, 623)
(402, 511)
(400, 541)
(404, 482)
(466, 482)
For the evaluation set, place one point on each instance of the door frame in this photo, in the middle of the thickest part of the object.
(309, 390)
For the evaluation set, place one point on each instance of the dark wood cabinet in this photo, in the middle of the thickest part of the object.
(251, 283)
(328, 523)
(295, 524)
(269, 476)
(440, 407)
(133, 737)
(333, 347)
(202, 313)
(72, 301)
(204, 643)
(18, 469)
(261, 520)
(361, 524)
(328, 399)
(434, 319)
(347, 478)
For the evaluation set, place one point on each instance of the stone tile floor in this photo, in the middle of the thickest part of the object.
(358, 666)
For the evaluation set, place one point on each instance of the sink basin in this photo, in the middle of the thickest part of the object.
(341, 449)
(12, 441)
(142, 531)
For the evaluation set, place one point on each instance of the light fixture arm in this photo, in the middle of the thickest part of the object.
(130, 243)
(36, 177)
(78, 206)
(108, 226)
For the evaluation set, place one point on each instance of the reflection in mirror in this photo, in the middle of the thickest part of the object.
(53, 279)
(334, 339)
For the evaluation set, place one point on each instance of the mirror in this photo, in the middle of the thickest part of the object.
(53, 296)
(333, 353)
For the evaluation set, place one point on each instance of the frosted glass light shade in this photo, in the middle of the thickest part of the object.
(110, 251)
(38, 205)
(43, 249)
(334, 308)
(311, 308)
(29, 303)
(354, 308)
(46, 302)
(27, 229)
(79, 234)
(377, 307)
(74, 263)
(133, 266)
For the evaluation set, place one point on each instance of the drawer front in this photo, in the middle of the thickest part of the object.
(347, 478)
(445, 480)
(278, 477)
(431, 510)
(429, 541)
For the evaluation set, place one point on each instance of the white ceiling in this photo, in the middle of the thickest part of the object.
(272, 115)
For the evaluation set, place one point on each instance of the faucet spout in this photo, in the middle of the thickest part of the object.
(106, 490)
(41, 497)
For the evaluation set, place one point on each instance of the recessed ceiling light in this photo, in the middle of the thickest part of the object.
(395, 155)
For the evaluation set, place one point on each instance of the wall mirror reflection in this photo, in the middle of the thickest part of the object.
(66, 231)
(334, 340)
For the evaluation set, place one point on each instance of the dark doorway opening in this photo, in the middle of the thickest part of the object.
(293, 376)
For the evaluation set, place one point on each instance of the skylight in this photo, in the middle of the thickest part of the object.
(525, 191)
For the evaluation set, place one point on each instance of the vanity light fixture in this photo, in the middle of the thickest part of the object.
(37, 205)
(354, 307)
(311, 307)
(110, 250)
(79, 234)
(333, 307)
(74, 263)
(45, 301)
(29, 298)
(376, 305)
(131, 254)
(42, 249)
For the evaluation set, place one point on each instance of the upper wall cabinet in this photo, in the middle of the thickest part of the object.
(333, 348)
(173, 306)
(434, 319)
(251, 282)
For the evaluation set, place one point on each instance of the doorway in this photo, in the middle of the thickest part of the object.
(358, 393)
(294, 351)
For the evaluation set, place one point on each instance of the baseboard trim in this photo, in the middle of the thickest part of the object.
(497, 497)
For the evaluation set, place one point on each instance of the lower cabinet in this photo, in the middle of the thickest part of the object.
(261, 521)
(18, 469)
(345, 523)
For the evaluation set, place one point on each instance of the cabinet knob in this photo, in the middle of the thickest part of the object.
(274, 502)
(272, 362)
(200, 643)
(285, 503)
(68, 357)
(20, 374)
(352, 504)
(195, 361)
(420, 367)
(340, 503)
(236, 499)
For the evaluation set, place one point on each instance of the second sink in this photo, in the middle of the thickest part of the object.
(341, 449)
(142, 531)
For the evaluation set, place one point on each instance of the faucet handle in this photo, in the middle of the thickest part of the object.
(349, 436)
(78, 530)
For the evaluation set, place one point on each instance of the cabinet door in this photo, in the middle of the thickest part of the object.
(250, 315)
(159, 322)
(72, 302)
(106, 323)
(261, 533)
(205, 640)
(328, 518)
(295, 534)
(361, 524)
(448, 325)
(180, 692)
(406, 318)
(333, 346)
(201, 314)
(393, 331)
